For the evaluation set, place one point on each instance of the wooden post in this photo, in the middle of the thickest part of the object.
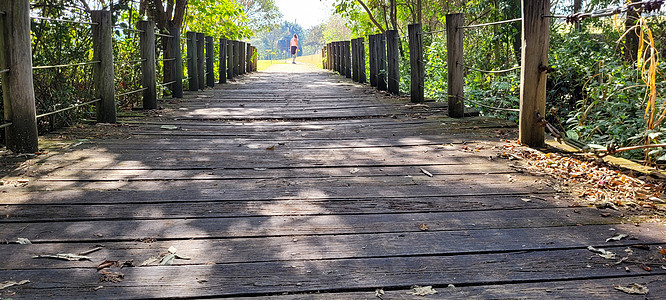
(201, 61)
(223, 61)
(347, 57)
(372, 55)
(210, 62)
(230, 59)
(248, 64)
(454, 46)
(235, 58)
(329, 57)
(354, 59)
(17, 84)
(177, 67)
(255, 60)
(393, 61)
(102, 34)
(192, 64)
(148, 77)
(535, 45)
(416, 62)
(361, 60)
(335, 56)
(381, 63)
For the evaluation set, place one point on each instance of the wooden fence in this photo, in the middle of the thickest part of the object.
(235, 58)
(383, 59)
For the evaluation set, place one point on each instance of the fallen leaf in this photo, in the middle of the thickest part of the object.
(526, 200)
(23, 241)
(98, 288)
(7, 284)
(111, 276)
(641, 246)
(64, 256)
(271, 148)
(616, 238)
(168, 260)
(424, 227)
(426, 172)
(149, 261)
(662, 251)
(172, 250)
(601, 252)
(108, 264)
(379, 293)
(635, 289)
(91, 250)
(180, 256)
(169, 127)
(354, 170)
(422, 290)
(646, 268)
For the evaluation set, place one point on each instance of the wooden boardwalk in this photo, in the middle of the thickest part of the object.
(299, 184)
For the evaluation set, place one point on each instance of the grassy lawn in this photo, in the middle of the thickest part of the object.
(314, 59)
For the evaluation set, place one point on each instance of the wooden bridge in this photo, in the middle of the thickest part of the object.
(300, 184)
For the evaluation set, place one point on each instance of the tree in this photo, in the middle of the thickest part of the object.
(261, 15)
(336, 30)
(313, 39)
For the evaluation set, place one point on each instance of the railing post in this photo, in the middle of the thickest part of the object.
(236, 56)
(329, 57)
(361, 60)
(454, 46)
(192, 61)
(102, 34)
(201, 61)
(230, 59)
(17, 84)
(416, 62)
(354, 59)
(248, 60)
(533, 73)
(223, 61)
(177, 63)
(210, 70)
(393, 61)
(372, 55)
(255, 58)
(381, 61)
(334, 46)
(148, 77)
(347, 56)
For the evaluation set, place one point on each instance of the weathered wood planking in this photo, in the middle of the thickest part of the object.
(323, 275)
(268, 197)
(294, 248)
(292, 223)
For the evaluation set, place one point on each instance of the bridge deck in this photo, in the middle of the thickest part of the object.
(300, 185)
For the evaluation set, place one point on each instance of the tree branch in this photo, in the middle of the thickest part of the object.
(372, 18)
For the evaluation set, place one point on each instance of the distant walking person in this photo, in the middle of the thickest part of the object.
(294, 48)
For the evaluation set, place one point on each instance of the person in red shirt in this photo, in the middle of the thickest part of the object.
(294, 48)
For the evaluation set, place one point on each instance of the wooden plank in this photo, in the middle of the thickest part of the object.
(325, 247)
(293, 225)
(144, 210)
(329, 275)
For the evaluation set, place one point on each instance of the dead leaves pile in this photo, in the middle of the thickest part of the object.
(594, 183)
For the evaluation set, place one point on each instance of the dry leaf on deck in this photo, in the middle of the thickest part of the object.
(149, 261)
(168, 260)
(64, 256)
(108, 264)
(422, 290)
(111, 276)
(169, 127)
(23, 241)
(6, 284)
(354, 170)
(635, 289)
(616, 238)
(601, 252)
(426, 172)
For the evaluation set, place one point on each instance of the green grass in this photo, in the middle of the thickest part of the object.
(314, 59)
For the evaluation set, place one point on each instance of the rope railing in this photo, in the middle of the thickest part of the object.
(430, 32)
(66, 109)
(130, 61)
(163, 35)
(63, 20)
(166, 83)
(131, 92)
(128, 29)
(493, 71)
(66, 65)
(5, 125)
(4, 71)
(647, 6)
(491, 23)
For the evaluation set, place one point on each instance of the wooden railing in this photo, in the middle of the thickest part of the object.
(383, 59)
(235, 58)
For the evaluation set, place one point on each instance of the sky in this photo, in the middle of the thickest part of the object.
(307, 13)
